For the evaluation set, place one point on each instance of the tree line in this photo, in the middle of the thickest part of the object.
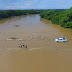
(60, 16)
(10, 13)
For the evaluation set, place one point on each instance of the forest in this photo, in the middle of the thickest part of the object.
(10, 13)
(62, 17)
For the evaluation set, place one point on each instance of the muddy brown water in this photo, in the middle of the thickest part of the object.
(42, 53)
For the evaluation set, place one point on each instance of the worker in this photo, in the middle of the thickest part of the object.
(26, 46)
(23, 44)
(19, 46)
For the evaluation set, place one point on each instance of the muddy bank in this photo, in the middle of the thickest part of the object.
(42, 54)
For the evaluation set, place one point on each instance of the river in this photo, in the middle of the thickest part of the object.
(42, 54)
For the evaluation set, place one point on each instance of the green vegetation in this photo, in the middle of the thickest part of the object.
(62, 17)
(10, 13)
(58, 16)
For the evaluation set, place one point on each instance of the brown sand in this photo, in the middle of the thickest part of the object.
(42, 54)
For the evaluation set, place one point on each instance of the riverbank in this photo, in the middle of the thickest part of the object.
(61, 17)
(10, 13)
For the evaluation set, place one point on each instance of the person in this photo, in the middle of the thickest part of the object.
(26, 46)
(19, 46)
(23, 44)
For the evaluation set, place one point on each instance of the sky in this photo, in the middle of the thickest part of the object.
(35, 4)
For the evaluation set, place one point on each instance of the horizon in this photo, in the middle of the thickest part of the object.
(33, 9)
(34, 4)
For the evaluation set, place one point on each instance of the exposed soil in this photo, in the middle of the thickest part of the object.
(42, 54)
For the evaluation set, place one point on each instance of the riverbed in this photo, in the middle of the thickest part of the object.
(42, 54)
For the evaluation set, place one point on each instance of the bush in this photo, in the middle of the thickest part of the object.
(62, 17)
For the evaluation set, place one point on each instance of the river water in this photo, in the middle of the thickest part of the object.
(42, 54)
